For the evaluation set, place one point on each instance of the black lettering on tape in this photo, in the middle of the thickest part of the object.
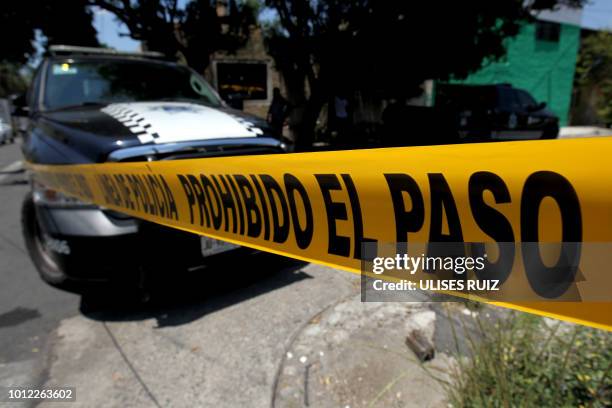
(239, 207)
(111, 195)
(150, 197)
(135, 191)
(336, 244)
(550, 282)
(200, 198)
(357, 216)
(264, 207)
(303, 237)
(280, 225)
(228, 203)
(216, 211)
(442, 203)
(115, 191)
(170, 202)
(154, 203)
(493, 223)
(156, 192)
(101, 183)
(253, 215)
(84, 188)
(405, 221)
(124, 191)
(143, 193)
(188, 194)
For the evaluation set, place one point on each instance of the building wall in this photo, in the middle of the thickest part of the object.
(253, 52)
(544, 68)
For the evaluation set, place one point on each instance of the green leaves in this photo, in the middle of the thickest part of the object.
(527, 362)
(594, 71)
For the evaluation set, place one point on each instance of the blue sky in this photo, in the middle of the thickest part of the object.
(596, 15)
(109, 30)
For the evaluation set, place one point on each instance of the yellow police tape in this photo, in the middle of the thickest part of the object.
(320, 206)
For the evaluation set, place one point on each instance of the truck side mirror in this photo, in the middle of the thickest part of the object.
(20, 105)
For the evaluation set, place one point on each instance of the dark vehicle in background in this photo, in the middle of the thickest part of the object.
(7, 135)
(496, 112)
(93, 105)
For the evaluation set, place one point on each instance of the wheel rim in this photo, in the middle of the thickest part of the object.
(49, 257)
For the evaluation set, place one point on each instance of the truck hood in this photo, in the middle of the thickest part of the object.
(166, 122)
(98, 130)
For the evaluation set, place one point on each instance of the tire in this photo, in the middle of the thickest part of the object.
(550, 132)
(50, 266)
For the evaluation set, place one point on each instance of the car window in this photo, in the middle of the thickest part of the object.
(508, 99)
(466, 97)
(70, 83)
(525, 99)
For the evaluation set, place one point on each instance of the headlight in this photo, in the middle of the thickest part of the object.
(43, 195)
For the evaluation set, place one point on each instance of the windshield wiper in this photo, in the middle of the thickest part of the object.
(77, 105)
(197, 101)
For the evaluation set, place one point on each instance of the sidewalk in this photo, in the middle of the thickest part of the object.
(354, 355)
(309, 343)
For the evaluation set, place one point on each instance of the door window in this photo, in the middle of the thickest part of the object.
(525, 99)
(508, 100)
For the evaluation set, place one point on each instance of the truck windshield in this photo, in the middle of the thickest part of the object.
(466, 96)
(73, 83)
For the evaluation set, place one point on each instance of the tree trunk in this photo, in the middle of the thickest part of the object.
(306, 123)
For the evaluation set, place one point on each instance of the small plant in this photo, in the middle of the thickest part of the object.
(520, 361)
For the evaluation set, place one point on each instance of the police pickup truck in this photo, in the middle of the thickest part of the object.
(88, 105)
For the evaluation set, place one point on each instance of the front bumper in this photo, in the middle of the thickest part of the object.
(84, 222)
(100, 245)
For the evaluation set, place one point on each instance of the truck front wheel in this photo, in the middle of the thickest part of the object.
(47, 261)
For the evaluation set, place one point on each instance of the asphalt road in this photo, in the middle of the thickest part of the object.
(29, 309)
